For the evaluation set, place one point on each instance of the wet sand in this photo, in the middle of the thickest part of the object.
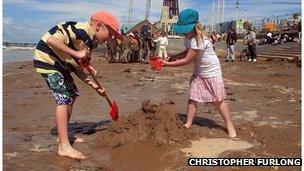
(264, 99)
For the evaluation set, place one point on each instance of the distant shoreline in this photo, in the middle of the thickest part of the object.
(18, 48)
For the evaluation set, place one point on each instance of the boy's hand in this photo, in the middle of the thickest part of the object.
(82, 54)
(101, 91)
(85, 62)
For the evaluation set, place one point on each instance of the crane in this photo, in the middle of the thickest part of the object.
(148, 5)
(288, 3)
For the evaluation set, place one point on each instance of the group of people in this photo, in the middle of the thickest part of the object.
(274, 39)
(63, 49)
(231, 40)
(137, 41)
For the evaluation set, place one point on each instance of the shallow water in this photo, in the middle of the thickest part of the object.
(13, 55)
(214, 147)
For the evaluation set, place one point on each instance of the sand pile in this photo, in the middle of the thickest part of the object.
(156, 124)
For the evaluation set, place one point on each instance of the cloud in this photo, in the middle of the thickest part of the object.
(7, 21)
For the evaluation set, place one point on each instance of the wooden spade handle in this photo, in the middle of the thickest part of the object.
(92, 72)
(99, 85)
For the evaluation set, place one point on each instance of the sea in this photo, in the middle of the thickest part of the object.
(14, 54)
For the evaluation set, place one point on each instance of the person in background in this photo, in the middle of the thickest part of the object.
(163, 44)
(230, 43)
(269, 39)
(299, 31)
(135, 47)
(251, 43)
(213, 38)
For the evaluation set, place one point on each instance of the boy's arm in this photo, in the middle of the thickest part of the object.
(81, 75)
(58, 44)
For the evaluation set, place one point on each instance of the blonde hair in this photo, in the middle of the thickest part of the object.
(199, 33)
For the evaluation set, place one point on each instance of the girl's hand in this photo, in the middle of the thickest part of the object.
(165, 63)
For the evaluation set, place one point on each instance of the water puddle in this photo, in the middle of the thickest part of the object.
(127, 157)
(214, 147)
(245, 115)
(274, 123)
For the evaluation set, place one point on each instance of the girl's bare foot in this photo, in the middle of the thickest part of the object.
(69, 151)
(74, 140)
(231, 131)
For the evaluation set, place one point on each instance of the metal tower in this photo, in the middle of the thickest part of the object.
(173, 7)
(148, 5)
(130, 12)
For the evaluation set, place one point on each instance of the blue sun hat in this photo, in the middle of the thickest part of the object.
(187, 19)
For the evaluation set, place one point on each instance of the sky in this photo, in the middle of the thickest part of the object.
(28, 20)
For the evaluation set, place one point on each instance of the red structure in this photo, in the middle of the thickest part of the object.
(173, 7)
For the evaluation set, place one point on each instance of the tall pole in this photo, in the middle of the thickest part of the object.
(213, 14)
(223, 12)
(237, 10)
(148, 9)
(236, 14)
(218, 13)
(130, 12)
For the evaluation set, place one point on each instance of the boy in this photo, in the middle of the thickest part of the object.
(55, 56)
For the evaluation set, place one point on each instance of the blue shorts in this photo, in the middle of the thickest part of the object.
(63, 88)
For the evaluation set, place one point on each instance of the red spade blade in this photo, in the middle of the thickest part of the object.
(114, 111)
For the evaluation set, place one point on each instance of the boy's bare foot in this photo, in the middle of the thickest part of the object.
(187, 125)
(70, 152)
(74, 140)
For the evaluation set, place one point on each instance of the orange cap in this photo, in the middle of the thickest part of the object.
(109, 20)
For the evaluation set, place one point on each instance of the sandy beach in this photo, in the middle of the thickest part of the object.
(264, 99)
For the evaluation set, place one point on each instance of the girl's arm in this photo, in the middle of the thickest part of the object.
(179, 55)
(81, 75)
(191, 54)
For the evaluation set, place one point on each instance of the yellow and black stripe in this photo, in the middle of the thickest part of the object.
(75, 35)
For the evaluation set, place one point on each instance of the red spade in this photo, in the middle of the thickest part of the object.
(114, 108)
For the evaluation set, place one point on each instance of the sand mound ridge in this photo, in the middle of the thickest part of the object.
(156, 124)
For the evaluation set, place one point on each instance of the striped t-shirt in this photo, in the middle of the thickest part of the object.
(75, 35)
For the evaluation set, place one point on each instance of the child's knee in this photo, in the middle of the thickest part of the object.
(190, 101)
(73, 100)
(218, 103)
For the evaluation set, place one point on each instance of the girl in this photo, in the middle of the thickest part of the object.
(206, 83)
